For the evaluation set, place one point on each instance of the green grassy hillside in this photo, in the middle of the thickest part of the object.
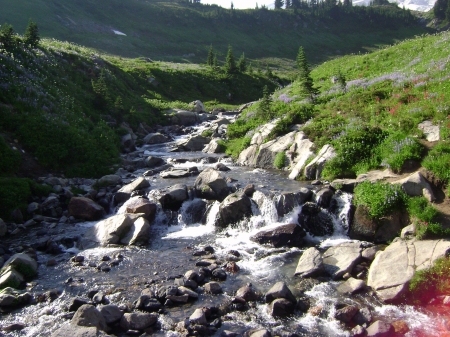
(183, 32)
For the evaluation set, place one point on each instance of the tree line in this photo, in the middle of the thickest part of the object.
(10, 40)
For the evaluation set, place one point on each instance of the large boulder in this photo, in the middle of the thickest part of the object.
(120, 228)
(211, 185)
(110, 180)
(430, 131)
(139, 205)
(314, 169)
(393, 268)
(152, 161)
(341, 259)
(137, 321)
(77, 331)
(268, 151)
(89, 316)
(184, 117)
(198, 106)
(174, 197)
(315, 221)
(194, 143)
(287, 201)
(289, 235)
(9, 277)
(416, 185)
(233, 209)
(279, 290)
(261, 133)
(22, 263)
(310, 263)
(156, 138)
(299, 152)
(85, 208)
(213, 147)
(248, 156)
(125, 192)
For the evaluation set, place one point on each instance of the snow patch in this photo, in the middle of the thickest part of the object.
(117, 32)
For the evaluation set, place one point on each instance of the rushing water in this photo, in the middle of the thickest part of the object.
(169, 254)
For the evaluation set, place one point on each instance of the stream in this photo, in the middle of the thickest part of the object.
(169, 254)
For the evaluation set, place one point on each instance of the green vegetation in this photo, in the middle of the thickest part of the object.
(380, 198)
(432, 282)
(10, 159)
(280, 160)
(16, 192)
(438, 161)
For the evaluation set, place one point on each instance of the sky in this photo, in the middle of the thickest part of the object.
(239, 4)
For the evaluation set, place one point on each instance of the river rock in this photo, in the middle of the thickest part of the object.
(248, 293)
(88, 315)
(9, 277)
(211, 185)
(184, 117)
(156, 138)
(175, 173)
(194, 143)
(127, 142)
(323, 197)
(257, 333)
(22, 263)
(268, 151)
(380, 329)
(299, 152)
(341, 259)
(174, 197)
(110, 180)
(138, 233)
(310, 263)
(111, 313)
(393, 268)
(152, 161)
(279, 290)
(262, 132)
(281, 307)
(351, 286)
(86, 209)
(137, 321)
(125, 192)
(142, 206)
(289, 235)
(248, 156)
(233, 209)
(314, 169)
(287, 201)
(213, 288)
(198, 106)
(198, 317)
(430, 131)
(214, 146)
(186, 291)
(416, 185)
(77, 331)
(315, 221)
(346, 313)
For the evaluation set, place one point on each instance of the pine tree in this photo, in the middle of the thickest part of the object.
(269, 73)
(215, 64)
(210, 59)
(230, 63)
(278, 4)
(304, 75)
(264, 106)
(287, 4)
(31, 36)
(7, 36)
(101, 99)
(242, 63)
(341, 80)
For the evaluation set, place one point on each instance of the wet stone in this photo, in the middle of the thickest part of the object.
(213, 288)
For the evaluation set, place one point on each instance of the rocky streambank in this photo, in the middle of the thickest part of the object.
(94, 258)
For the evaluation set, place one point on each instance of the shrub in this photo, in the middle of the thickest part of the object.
(10, 159)
(397, 148)
(235, 146)
(380, 199)
(430, 230)
(419, 208)
(438, 161)
(207, 133)
(432, 282)
(280, 160)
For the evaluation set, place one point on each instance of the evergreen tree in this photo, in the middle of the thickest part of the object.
(264, 106)
(304, 75)
(7, 36)
(278, 4)
(230, 63)
(269, 73)
(439, 9)
(31, 37)
(287, 4)
(341, 80)
(210, 59)
(347, 3)
(215, 64)
(100, 89)
(242, 63)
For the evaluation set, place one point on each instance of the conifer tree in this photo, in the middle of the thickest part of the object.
(101, 99)
(230, 63)
(304, 75)
(215, 64)
(242, 63)
(278, 4)
(287, 4)
(341, 80)
(264, 106)
(210, 59)
(31, 37)
(269, 73)
(7, 36)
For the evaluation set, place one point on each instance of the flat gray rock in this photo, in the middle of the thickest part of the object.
(341, 259)
(310, 263)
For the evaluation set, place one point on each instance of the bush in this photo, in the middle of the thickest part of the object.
(397, 148)
(381, 199)
(425, 230)
(207, 133)
(419, 208)
(438, 161)
(235, 146)
(280, 160)
(432, 282)
(10, 159)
